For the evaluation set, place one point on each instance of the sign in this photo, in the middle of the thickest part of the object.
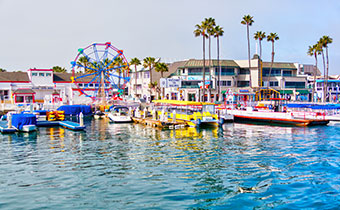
(195, 77)
(244, 91)
(163, 82)
(207, 83)
(173, 82)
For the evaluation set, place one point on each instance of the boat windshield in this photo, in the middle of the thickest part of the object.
(209, 108)
(121, 110)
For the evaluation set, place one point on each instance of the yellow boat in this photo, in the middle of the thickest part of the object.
(193, 113)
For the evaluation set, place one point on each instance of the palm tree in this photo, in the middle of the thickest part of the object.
(59, 69)
(135, 62)
(161, 67)
(201, 30)
(314, 50)
(210, 24)
(118, 63)
(248, 21)
(324, 41)
(272, 37)
(259, 35)
(218, 32)
(150, 62)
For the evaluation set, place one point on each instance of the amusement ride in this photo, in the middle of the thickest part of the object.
(101, 72)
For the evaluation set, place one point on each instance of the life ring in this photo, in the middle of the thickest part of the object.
(284, 108)
(270, 106)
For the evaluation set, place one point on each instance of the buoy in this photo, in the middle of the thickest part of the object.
(81, 119)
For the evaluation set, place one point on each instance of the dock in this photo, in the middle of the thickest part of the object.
(4, 128)
(66, 124)
(159, 124)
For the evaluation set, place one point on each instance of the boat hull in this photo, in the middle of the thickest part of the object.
(284, 121)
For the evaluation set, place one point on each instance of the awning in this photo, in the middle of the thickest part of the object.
(223, 91)
(302, 92)
(286, 91)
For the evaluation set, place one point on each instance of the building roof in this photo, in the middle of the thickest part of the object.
(14, 77)
(24, 90)
(199, 63)
(66, 77)
(279, 65)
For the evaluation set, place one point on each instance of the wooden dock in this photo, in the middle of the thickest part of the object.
(4, 128)
(159, 124)
(66, 124)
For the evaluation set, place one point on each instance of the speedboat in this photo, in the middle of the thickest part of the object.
(119, 114)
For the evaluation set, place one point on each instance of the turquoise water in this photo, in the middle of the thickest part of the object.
(128, 166)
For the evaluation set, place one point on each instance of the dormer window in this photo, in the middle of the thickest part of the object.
(34, 74)
(41, 74)
(48, 74)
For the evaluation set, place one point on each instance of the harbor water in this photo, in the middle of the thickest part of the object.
(129, 166)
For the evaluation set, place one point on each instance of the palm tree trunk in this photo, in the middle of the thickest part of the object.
(260, 48)
(203, 69)
(314, 75)
(219, 70)
(271, 67)
(327, 65)
(250, 85)
(136, 80)
(163, 89)
(209, 96)
(150, 75)
(324, 77)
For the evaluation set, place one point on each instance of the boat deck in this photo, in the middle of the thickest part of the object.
(160, 124)
(66, 124)
(4, 128)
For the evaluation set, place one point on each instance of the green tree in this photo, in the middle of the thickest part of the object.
(324, 42)
(218, 32)
(136, 62)
(201, 30)
(161, 67)
(272, 37)
(248, 21)
(150, 62)
(3, 70)
(210, 24)
(59, 69)
(314, 50)
(259, 35)
(84, 62)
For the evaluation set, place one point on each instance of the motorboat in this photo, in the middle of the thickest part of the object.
(119, 114)
(192, 113)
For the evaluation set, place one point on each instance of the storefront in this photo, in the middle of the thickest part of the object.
(23, 96)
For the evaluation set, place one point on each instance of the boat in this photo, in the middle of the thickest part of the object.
(99, 114)
(274, 112)
(191, 112)
(23, 122)
(119, 114)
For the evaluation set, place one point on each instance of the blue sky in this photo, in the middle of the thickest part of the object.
(46, 33)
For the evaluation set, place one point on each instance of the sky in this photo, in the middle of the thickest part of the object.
(47, 33)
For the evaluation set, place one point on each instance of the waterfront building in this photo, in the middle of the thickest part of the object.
(42, 87)
(285, 80)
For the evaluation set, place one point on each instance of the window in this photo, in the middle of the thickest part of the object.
(244, 71)
(225, 71)
(41, 74)
(34, 74)
(19, 99)
(147, 74)
(287, 73)
(295, 84)
(197, 71)
(96, 85)
(225, 83)
(90, 85)
(183, 71)
(190, 84)
(48, 74)
(274, 72)
(273, 84)
(80, 84)
(242, 83)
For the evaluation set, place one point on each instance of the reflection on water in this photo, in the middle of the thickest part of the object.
(130, 166)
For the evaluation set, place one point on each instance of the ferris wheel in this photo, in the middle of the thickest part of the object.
(100, 70)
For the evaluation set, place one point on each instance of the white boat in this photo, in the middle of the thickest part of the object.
(119, 114)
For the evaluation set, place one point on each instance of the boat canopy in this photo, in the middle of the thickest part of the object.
(19, 120)
(76, 109)
(314, 106)
(182, 103)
